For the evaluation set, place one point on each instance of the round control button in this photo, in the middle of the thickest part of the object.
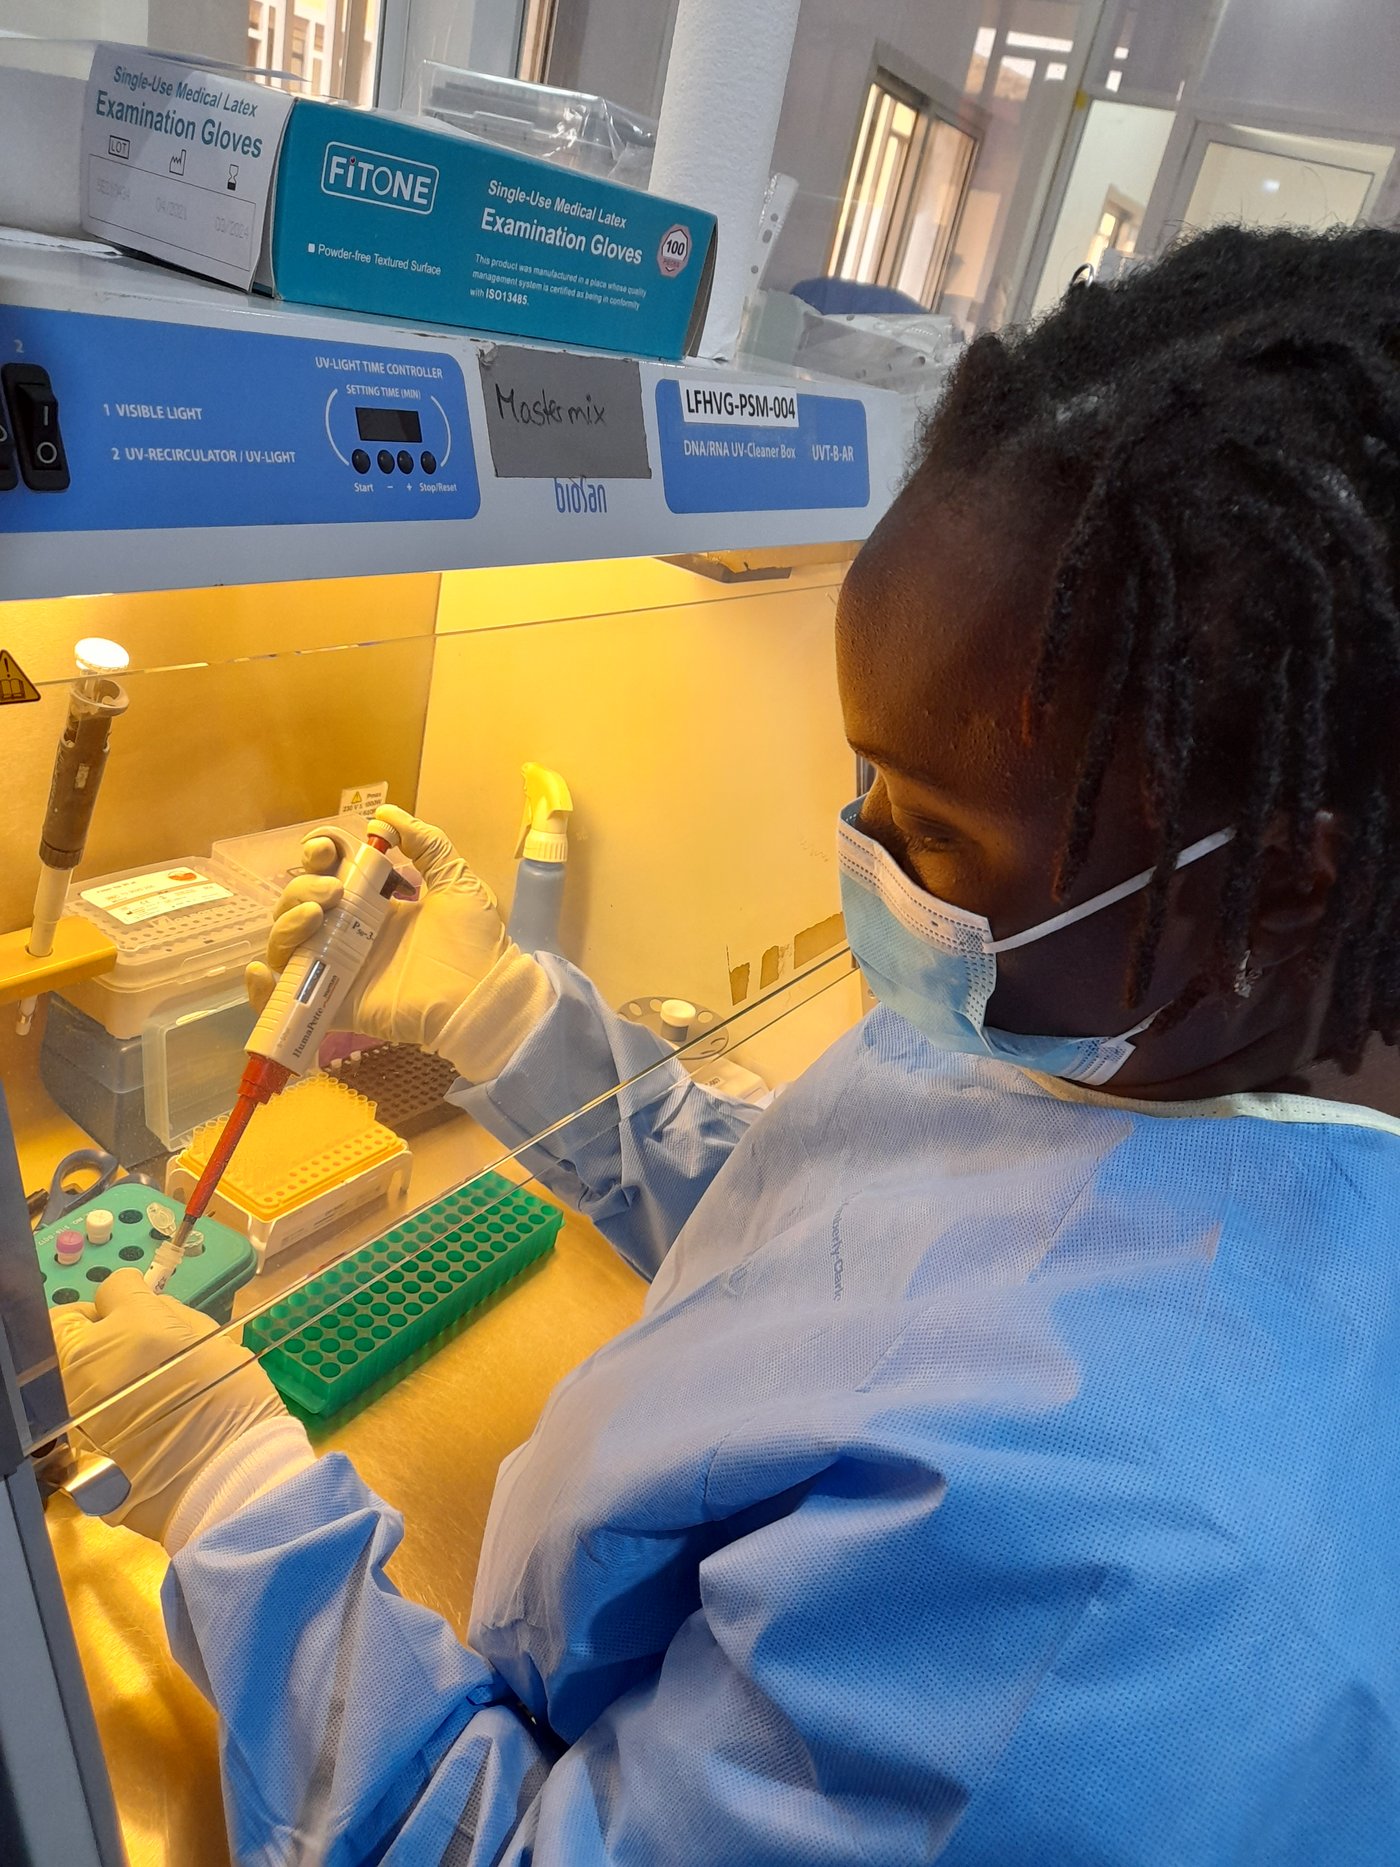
(359, 460)
(386, 461)
(405, 461)
(428, 462)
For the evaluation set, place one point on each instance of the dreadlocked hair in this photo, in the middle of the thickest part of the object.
(1219, 434)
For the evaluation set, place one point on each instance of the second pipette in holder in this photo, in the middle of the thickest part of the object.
(313, 986)
(94, 700)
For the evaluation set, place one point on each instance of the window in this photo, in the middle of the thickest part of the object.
(905, 190)
(1019, 59)
(536, 40)
(328, 44)
(1117, 229)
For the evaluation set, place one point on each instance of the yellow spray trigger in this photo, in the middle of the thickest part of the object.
(544, 822)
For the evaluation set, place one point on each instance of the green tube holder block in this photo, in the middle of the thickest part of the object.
(353, 1324)
(206, 1281)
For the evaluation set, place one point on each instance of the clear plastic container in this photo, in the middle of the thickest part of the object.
(176, 926)
(572, 129)
(113, 1063)
(193, 1053)
(96, 1079)
(143, 1096)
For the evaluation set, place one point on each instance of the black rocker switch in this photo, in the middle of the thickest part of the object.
(34, 413)
(9, 477)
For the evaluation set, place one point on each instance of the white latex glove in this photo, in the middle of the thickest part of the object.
(166, 1433)
(442, 974)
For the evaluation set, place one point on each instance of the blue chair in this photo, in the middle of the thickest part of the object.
(838, 298)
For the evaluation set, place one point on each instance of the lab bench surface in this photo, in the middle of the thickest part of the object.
(431, 1445)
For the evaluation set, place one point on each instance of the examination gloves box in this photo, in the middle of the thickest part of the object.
(327, 204)
(375, 214)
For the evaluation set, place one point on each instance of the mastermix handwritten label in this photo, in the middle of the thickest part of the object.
(574, 420)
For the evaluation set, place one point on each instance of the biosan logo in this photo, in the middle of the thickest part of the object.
(384, 181)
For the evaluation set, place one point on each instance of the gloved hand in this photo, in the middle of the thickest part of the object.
(164, 1433)
(443, 972)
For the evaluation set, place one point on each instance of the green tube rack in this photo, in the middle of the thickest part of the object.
(359, 1321)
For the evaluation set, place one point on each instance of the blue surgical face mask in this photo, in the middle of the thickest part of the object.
(936, 965)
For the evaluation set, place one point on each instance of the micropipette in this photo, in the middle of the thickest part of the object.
(94, 700)
(287, 1036)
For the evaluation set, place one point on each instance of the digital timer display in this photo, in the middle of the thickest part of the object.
(388, 424)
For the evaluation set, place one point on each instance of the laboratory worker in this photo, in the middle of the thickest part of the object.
(1005, 1470)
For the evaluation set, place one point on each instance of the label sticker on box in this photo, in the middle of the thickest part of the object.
(731, 403)
(743, 447)
(164, 891)
(177, 162)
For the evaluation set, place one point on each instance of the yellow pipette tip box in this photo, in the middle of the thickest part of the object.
(309, 1158)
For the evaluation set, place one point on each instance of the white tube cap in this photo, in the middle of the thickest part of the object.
(677, 1016)
(98, 1224)
(96, 655)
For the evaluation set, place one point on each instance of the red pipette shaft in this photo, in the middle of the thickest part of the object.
(261, 1081)
(263, 1078)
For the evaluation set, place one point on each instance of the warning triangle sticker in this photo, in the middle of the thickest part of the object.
(15, 685)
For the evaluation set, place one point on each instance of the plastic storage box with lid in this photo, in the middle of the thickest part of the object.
(175, 926)
(266, 861)
(142, 1096)
(97, 1079)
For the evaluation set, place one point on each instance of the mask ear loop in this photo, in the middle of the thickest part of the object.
(1110, 898)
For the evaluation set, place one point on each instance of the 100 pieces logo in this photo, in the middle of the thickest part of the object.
(674, 250)
(382, 180)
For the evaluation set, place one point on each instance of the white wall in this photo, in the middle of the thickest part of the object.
(1121, 149)
(615, 49)
(1338, 60)
(77, 19)
(216, 29)
(474, 35)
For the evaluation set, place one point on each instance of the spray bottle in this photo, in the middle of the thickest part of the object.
(542, 852)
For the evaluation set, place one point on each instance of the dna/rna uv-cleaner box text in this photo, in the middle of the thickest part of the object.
(374, 214)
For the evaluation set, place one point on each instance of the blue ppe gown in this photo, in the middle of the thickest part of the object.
(997, 1476)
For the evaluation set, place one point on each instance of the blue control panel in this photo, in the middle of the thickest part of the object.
(731, 449)
(129, 424)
